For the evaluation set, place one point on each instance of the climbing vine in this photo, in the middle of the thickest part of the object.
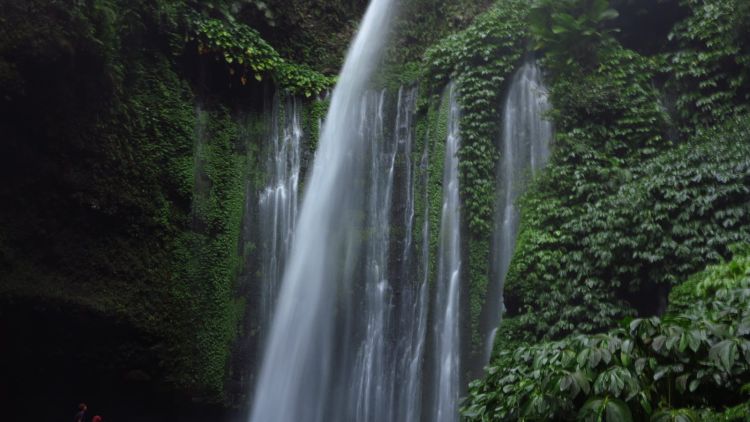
(577, 268)
(480, 59)
(247, 55)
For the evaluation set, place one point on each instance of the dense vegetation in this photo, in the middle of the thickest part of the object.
(133, 132)
(648, 183)
(128, 159)
(688, 365)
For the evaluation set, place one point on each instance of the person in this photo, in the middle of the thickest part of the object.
(81, 413)
(96, 418)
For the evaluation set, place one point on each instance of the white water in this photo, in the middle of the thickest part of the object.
(278, 202)
(298, 362)
(525, 150)
(413, 306)
(386, 317)
(371, 384)
(447, 361)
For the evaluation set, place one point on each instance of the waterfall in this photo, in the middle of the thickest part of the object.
(370, 385)
(298, 363)
(277, 205)
(447, 336)
(413, 305)
(388, 323)
(525, 145)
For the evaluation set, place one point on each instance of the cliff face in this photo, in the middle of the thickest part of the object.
(124, 175)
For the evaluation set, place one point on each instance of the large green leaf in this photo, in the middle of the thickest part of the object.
(605, 410)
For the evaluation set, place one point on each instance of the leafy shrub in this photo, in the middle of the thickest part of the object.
(247, 54)
(581, 266)
(715, 277)
(650, 367)
(711, 69)
(571, 31)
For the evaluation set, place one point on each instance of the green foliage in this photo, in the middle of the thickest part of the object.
(733, 414)
(715, 277)
(420, 24)
(206, 251)
(109, 139)
(650, 368)
(312, 117)
(433, 130)
(607, 122)
(571, 31)
(479, 59)
(668, 216)
(613, 110)
(711, 68)
(247, 54)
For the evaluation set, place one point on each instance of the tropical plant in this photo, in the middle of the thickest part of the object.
(650, 368)
(662, 220)
(572, 31)
(711, 67)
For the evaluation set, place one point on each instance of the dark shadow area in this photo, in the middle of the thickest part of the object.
(645, 24)
(55, 356)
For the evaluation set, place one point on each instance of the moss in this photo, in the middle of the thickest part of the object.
(110, 141)
(432, 128)
(478, 276)
(312, 116)
(209, 256)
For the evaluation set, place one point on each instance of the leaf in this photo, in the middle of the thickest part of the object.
(658, 342)
(724, 354)
(634, 324)
(566, 382)
(640, 365)
(582, 381)
(683, 343)
(743, 328)
(681, 382)
(660, 372)
(609, 14)
(645, 403)
(594, 358)
(618, 411)
(614, 410)
(694, 340)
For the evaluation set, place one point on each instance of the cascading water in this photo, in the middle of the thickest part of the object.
(525, 146)
(277, 205)
(298, 362)
(370, 384)
(413, 305)
(447, 335)
(385, 327)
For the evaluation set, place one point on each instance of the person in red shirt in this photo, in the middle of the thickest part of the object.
(96, 418)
